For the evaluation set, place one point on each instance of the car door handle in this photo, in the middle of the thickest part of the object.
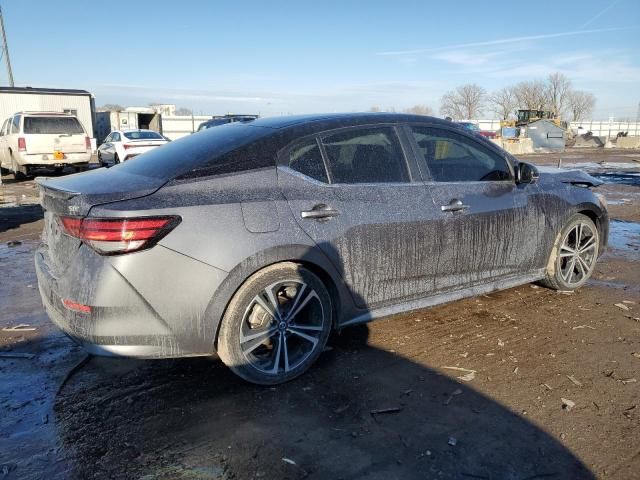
(319, 212)
(454, 205)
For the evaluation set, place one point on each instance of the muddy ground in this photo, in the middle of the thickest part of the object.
(469, 390)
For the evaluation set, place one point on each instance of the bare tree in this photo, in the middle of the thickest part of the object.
(183, 111)
(374, 109)
(531, 95)
(419, 110)
(503, 102)
(580, 104)
(558, 90)
(111, 107)
(465, 102)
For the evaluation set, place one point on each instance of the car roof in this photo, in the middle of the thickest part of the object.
(135, 130)
(330, 120)
(47, 114)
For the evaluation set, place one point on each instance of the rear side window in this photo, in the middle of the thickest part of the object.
(365, 155)
(228, 148)
(16, 124)
(115, 137)
(307, 159)
(451, 157)
(52, 125)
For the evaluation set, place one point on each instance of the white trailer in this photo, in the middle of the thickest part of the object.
(77, 102)
(130, 118)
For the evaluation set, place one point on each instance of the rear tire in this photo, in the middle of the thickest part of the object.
(267, 345)
(574, 255)
(116, 159)
(19, 172)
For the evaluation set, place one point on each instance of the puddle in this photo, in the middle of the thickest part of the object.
(622, 201)
(619, 178)
(625, 237)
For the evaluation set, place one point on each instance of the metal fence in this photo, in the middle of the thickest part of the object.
(598, 128)
(176, 126)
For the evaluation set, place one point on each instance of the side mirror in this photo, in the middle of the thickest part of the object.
(526, 173)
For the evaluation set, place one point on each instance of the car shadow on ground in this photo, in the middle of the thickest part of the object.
(361, 412)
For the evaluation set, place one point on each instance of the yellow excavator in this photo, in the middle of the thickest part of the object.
(525, 117)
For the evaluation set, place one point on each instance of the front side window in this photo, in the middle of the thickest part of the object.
(365, 155)
(307, 159)
(16, 125)
(451, 157)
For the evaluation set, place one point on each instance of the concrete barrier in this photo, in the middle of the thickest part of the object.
(628, 142)
(519, 147)
(589, 141)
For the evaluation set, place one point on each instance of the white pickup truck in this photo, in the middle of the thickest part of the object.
(33, 140)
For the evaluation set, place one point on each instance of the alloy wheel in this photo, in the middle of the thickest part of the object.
(577, 254)
(282, 327)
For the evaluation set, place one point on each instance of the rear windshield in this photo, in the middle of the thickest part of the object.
(52, 125)
(143, 135)
(213, 123)
(198, 151)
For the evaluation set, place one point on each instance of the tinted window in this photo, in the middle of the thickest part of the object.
(16, 124)
(450, 157)
(143, 135)
(216, 150)
(115, 137)
(307, 159)
(365, 155)
(213, 123)
(52, 125)
(4, 127)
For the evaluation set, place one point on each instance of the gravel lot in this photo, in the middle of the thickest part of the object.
(522, 384)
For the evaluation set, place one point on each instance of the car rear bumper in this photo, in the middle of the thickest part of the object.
(47, 160)
(121, 322)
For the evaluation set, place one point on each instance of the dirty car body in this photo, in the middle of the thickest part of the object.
(384, 212)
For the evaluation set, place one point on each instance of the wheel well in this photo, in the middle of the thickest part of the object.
(313, 267)
(592, 215)
(329, 283)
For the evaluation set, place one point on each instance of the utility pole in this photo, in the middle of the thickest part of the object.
(5, 49)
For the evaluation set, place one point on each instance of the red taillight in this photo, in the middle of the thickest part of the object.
(22, 144)
(111, 236)
(87, 143)
(76, 307)
(137, 145)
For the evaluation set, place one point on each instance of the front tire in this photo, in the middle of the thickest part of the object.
(276, 325)
(574, 255)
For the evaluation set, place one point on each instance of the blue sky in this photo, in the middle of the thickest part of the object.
(273, 57)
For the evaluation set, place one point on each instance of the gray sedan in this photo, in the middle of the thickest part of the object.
(254, 241)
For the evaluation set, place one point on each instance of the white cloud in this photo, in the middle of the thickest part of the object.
(500, 41)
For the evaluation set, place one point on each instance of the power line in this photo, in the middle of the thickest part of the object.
(5, 50)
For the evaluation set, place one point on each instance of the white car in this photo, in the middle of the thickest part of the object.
(122, 145)
(32, 140)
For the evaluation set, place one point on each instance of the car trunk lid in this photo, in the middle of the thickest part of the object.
(51, 143)
(74, 196)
